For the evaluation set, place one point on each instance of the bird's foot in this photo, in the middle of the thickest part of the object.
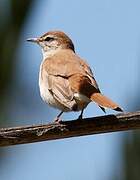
(80, 118)
(57, 120)
(81, 115)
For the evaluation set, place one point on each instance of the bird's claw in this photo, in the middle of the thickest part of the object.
(57, 120)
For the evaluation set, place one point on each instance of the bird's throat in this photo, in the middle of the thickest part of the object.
(49, 53)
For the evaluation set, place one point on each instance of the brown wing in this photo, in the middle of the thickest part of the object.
(66, 63)
(59, 87)
(88, 73)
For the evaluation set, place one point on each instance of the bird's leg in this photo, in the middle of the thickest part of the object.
(57, 119)
(81, 115)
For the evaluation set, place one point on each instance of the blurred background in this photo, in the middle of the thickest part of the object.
(107, 35)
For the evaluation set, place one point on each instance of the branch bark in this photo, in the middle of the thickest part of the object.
(73, 128)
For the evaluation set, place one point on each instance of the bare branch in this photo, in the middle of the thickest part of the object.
(88, 126)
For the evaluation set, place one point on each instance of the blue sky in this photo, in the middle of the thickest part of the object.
(106, 34)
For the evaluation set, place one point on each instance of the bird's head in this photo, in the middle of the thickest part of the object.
(53, 40)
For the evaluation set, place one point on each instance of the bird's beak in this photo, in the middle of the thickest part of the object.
(34, 40)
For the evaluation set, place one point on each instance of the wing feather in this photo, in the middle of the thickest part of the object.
(59, 87)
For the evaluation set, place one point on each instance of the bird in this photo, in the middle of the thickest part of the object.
(66, 81)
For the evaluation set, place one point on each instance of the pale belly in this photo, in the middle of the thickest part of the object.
(47, 96)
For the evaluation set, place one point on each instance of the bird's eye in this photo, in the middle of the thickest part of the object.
(48, 39)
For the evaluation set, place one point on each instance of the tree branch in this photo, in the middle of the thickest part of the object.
(88, 126)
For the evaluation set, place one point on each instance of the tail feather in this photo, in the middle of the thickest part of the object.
(104, 101)
(103, 109)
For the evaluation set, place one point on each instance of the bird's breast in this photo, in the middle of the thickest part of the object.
(45, 92)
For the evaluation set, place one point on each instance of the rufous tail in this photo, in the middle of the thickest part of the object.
(104, 102)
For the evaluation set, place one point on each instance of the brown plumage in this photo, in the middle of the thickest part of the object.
(66, 81)
(73, 76)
